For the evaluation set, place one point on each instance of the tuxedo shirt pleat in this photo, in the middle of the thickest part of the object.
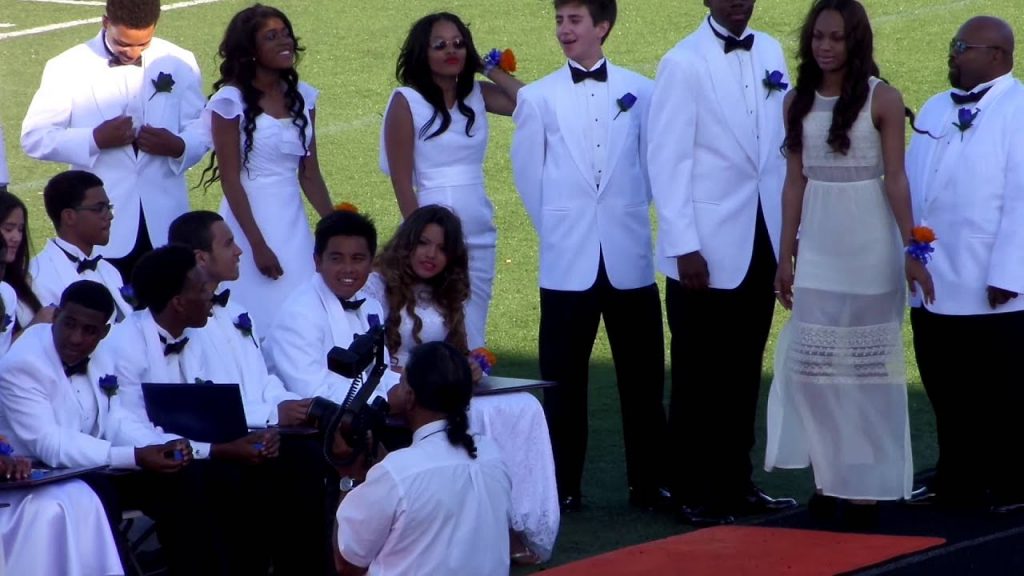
(592, 102)
(742, 63)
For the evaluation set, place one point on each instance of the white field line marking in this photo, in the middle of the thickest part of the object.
(71, 2)
(6, 25)
(73, 23)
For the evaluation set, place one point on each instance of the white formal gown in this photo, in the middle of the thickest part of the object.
(515, 422)
(449, 170)
(271, 184)
(839, 398)
(57, 528)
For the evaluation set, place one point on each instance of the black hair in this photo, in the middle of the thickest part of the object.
(16, 273)
(67, 191)
(238, 51)
(89, 294)
(413, 70)
(600, 11)
(161, 275)
(133, 14)
(194, 229)
(442, 381)
(344, 223)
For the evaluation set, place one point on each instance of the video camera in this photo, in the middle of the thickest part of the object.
(356, 417)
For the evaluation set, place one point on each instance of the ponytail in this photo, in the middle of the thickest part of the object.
(458, 432)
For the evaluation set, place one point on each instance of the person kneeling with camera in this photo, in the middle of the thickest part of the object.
(440, 506)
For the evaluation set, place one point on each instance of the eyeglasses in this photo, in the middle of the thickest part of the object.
(442, 45)
(97, 208)
(958, 47)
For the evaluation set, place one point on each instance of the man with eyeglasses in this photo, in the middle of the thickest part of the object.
(77, 204)
(967, 181)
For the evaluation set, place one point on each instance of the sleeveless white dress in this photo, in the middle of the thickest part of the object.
(515, 422)
(449, 170)
(271, 182)
(838, 401)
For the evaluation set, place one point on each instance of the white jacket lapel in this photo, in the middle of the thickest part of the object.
(570, 123)
(727, 94)
(619, 123)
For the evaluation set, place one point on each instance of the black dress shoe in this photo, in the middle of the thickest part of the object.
(861, 517)
(757, 502)
(923, 495)
(570, 503)
(823, 508)
(650, 498)
(703, 516)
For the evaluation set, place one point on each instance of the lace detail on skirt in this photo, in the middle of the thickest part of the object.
(838, 355)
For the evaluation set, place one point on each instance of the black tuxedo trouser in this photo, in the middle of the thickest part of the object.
(126, 264)
(970, 369)
(717, 350)
(568, 327)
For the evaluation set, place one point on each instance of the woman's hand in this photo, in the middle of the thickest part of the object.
(475, 370)
(917, 273)
(784, 283)
(267, 261)
(13, 468)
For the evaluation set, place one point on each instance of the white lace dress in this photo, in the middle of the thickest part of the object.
(449, 170)
(514, 421)
(271, 183)
(839, 398)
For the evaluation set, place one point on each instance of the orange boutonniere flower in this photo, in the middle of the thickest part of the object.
(485, 358)
(346, 207)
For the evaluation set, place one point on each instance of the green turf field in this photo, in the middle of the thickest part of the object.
(351, 50)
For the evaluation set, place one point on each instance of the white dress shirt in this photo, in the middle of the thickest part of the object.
(742, 63)
(592, 101)
(430, 509)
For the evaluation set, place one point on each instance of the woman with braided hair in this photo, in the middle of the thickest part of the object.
(262, 121)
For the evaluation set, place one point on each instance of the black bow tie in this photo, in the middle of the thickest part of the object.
(599, 74)
(733, 43)
(222, 298)
(174, 347)
(83, 265)
(76, 368)
(114, 62)
(351, 304)
(970, 98)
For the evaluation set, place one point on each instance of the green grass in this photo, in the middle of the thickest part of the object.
(350, 57)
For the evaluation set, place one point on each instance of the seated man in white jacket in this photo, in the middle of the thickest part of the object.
(233, 355)
(328, 311)
(55, 404)
(81, 214)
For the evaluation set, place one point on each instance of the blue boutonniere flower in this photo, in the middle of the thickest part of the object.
(244, 325)
(109, 386)
(163, 82)
(5, 323)
(773, 82)
(128, 294)
(373, 320)
(965, 119)
(6, 449)
(625, 103)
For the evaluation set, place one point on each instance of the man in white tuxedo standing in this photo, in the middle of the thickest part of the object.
(967, 184)
(124, 106)
(580, 166)
(716, 175)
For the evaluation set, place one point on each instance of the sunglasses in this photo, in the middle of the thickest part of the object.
(442, 45)
(958, 47)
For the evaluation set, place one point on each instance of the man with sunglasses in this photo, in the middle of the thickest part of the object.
(967, 181)
(77, 204)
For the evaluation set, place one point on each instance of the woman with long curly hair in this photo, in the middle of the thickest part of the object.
(262, 118)
(434, 139)
(839, 398)
(14, 265)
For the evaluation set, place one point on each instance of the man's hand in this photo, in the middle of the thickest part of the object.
(693, 271)
(293, 412)
(164, 458)
(999, 296)
(14, 468)
(114, 133)
(251, 449)
(160, 142)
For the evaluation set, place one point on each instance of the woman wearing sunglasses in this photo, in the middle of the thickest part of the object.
(434, 140)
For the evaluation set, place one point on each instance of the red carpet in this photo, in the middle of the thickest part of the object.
(750, 550)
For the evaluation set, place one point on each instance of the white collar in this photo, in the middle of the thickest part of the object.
(597, 64)
(429, 429)
(164, 334)
(984, 85)
(71, 248)
(718, 28)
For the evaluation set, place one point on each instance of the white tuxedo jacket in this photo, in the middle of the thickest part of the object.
(577, 221)
(77, 93)
(235, 358)
(52, 272)
(38, 411)
(971, 193)
(310, 323)
(709, 162)
(134, 353)
(7, 319)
